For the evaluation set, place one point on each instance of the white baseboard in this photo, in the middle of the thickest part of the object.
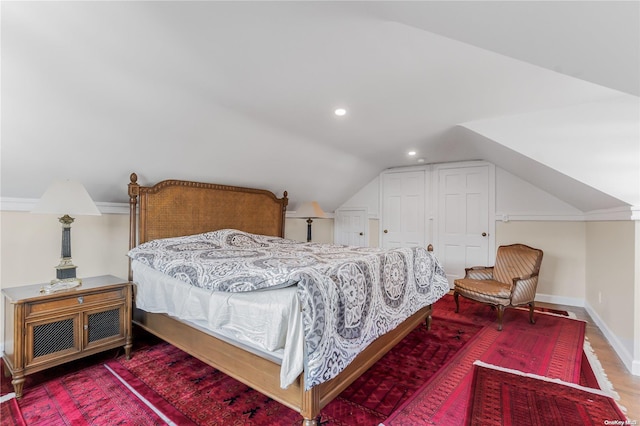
(633, 365)
(560, 300)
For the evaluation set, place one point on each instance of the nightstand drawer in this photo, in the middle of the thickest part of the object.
(36, 308)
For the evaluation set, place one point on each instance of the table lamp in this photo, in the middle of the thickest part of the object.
(310, 210)
(65, 197)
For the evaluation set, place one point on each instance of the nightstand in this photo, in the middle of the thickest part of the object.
(44, 330)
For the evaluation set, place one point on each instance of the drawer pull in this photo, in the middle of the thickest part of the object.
(81, 300)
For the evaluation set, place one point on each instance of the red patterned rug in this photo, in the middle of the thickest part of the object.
(186, 391)
(478, 313)
(10, 413)
(205, 395)
(502, 396)
(553, 347)
(89, 396)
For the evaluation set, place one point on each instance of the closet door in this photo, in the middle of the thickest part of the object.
(465, 233)
(403, 209)
(351, 227)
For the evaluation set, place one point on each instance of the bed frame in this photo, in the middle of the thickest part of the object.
(174, 208)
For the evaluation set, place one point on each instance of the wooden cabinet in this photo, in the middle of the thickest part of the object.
(44, 330)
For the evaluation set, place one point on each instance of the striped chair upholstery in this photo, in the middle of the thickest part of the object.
(511, 282)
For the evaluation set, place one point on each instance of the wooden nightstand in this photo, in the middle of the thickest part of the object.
(43, 330)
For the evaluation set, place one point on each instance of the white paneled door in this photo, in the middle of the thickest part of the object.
(403, 209)
(351, 227)
(463, 219)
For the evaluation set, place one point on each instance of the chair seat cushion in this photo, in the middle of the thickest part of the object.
(487, 291)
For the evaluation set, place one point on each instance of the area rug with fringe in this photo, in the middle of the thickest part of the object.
(162, 384)
(553, 347)
(503, 396)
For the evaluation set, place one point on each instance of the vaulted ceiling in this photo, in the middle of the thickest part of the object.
(243, 93)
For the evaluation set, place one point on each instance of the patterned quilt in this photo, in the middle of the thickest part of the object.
(349, 295)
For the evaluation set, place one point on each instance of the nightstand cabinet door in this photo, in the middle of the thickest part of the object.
(102, 326)
(50, 339)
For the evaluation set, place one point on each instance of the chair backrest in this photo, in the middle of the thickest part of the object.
(516, 260)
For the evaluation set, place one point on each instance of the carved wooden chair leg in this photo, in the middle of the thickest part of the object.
(531, 307)
(500, 313)
(455, 297)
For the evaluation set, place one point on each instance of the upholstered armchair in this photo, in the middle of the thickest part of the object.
(511, 282)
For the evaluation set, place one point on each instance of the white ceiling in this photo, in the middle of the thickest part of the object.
(242, 93)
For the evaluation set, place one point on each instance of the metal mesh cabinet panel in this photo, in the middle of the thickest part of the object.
(104, 324)
(53, 337)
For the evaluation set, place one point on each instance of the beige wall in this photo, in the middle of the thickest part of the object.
(582, 260)
(374, 233)
(30, 246)
(611, 262)
(563, 269)
(321, 230)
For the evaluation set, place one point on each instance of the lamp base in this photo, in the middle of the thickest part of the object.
(66, 269)
(60, 285)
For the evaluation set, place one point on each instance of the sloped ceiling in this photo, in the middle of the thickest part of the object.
(243, 93)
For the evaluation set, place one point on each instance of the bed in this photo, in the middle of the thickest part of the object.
(175, 209)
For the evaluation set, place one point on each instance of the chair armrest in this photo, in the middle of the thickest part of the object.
(524, 289)
(479, 273)
(524, 278)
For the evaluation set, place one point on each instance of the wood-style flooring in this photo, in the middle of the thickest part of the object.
(624, 383)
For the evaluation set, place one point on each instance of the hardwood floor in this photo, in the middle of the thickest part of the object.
(624, 383)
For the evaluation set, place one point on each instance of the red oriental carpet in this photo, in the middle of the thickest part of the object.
(89, 396)
(186, 391)
(161, 383)
(502, 396)
(553, 348)
(204, 394)
(10, 413)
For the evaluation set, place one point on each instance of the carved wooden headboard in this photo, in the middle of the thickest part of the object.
(173, 208)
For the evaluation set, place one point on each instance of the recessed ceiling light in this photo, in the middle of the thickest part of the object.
(420, 160)
(340, 112)
(411, 153)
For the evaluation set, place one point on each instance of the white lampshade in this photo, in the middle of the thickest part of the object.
(66, 197)
(310, 209)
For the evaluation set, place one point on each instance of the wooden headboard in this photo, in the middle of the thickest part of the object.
(174, 208)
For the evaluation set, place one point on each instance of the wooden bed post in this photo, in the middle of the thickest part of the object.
(428, 319)
(285, 201)
(134, 191)
(310, 407)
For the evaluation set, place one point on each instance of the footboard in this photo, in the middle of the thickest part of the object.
(262, 374)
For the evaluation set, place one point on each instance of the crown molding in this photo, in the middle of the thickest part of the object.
(27, 204)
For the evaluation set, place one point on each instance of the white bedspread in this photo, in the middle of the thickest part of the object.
(260, 320)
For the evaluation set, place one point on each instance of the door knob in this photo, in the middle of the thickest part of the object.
(362, 233)
(484, 234)
(385, 231)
